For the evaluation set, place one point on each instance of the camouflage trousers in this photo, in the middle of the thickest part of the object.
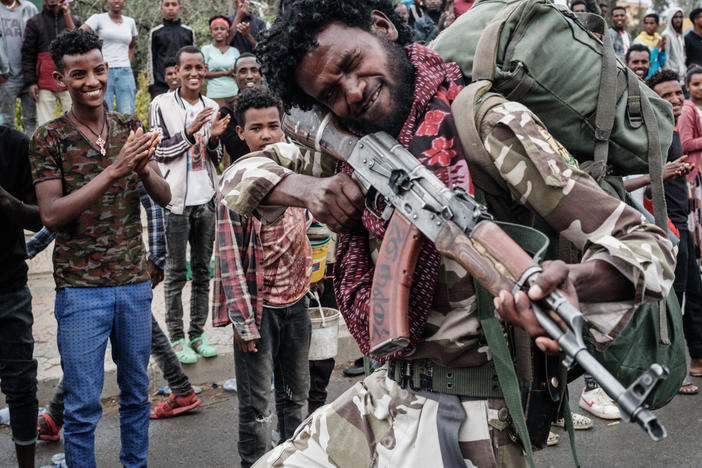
(377, 423)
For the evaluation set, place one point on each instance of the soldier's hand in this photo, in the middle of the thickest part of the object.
(517, 309)
(337, 202)
(3, 79)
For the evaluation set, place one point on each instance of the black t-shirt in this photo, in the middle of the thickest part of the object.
(676, 189)
(693, 49)
(236, 147)
(256, 28)
(16, 179)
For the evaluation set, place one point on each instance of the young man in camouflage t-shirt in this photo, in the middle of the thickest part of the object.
(87, 165)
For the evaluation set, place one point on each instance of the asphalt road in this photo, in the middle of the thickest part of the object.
(207, 437)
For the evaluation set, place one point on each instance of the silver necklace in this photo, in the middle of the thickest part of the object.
(100, 142)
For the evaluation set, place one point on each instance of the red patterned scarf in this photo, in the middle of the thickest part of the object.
(430, 134)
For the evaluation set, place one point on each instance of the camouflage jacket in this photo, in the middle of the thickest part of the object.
(538, 177)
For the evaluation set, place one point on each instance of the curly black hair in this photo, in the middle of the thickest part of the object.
(258, 97)
(293, 34)
(662, 76)
(76, 41)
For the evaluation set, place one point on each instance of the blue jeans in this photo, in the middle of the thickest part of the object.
(86, 318)
(283, 348)
(196, 226)
(18, 371)
(9, 92)
(122, 89)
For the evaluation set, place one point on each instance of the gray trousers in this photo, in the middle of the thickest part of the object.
(196, 226)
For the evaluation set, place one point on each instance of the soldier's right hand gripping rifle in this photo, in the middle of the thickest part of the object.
(461, 229)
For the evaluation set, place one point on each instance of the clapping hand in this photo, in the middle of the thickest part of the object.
(219, 125)
(135, 153)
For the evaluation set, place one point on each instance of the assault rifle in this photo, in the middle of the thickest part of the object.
(461, 229)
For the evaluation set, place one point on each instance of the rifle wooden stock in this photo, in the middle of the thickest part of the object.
(394, 269)
(489, 255)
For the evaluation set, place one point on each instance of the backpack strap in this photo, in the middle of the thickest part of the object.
(535, 243)
(485, 57)
(468, 109)
(606, 107)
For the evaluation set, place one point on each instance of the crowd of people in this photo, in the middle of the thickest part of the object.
(79, 180)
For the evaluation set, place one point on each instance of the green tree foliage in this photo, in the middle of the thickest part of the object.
(147, 14)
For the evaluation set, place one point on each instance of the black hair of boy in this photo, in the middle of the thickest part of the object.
(661, 76)
(245, 55)
(74, 42)
(258, 97)
(170, 62)
(188, 49)
(636, 47)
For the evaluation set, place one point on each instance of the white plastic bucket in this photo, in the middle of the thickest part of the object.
(324, 343)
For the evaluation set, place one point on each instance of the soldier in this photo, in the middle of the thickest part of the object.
(87, 165)
(348, 56)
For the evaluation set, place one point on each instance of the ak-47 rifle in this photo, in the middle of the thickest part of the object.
(461, 229)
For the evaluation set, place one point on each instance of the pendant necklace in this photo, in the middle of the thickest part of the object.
(100, 142)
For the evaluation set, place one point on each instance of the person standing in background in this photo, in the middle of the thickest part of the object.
(37, 65)
(165, 40)
(14, 15)
(220, 58)
(188, 154)
(118, 34)
(246, 29)
(675, 45)
(621, 40)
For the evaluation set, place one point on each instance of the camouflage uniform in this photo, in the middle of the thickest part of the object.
(376, 422)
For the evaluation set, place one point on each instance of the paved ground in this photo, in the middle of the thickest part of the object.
(207, 437)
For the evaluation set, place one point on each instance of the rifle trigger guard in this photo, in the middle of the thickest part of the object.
(526, 275)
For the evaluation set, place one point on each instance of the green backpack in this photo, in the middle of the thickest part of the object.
(535, 53)
(542, 56)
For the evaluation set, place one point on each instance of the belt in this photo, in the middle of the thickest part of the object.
(425, 375)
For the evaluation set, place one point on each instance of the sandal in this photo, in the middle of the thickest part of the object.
(205, 349)
(174, 406)
(688, 388)
(185, 355)
(552, 439)
(51, 429)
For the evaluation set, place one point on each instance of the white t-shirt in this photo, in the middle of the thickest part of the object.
(115, 38)
(199, 189)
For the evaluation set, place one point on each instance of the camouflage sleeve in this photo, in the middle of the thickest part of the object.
(249, 180)
(542, 175)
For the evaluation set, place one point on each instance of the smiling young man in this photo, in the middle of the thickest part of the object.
(247, 74)
(621, 40)
(348, 56)
(187, 154)
(87, 166)
(638, 59)
(262, 273)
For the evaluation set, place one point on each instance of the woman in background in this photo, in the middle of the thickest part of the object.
(220, 58)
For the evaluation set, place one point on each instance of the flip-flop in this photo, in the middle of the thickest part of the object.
(693, 389)
(164, 410)
(695, 374)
